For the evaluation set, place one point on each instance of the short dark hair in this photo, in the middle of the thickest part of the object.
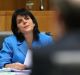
(70, 14)
(14, 28)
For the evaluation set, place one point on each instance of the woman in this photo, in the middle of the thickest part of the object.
(26, 36)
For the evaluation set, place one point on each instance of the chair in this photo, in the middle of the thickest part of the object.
(49, 33)
(3, 35)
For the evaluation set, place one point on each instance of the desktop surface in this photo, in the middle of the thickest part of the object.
(14, 72)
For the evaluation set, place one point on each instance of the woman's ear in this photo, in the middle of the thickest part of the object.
(18, 31)
(34, 24)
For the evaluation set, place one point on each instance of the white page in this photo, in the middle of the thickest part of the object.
(28, 59)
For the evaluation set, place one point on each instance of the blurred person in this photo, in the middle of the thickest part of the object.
(18, 46)
(63, 58)
(68, 18)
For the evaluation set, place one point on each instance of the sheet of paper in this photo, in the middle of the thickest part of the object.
(28, 59)
(11, 71)
(7, 73)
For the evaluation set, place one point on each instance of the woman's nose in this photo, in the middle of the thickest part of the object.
(24, 21)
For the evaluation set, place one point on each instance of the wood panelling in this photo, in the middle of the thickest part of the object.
(2, 20)
(46, 21)
(11, 4)
(14, 4)
(36, 5)
(8, 20)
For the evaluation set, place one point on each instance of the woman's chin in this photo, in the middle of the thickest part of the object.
(27, 31)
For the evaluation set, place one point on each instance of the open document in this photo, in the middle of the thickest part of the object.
(11, 71)
(28, 59)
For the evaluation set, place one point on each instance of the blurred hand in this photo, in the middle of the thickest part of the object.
(17, 66)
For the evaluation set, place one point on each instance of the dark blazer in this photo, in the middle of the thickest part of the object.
(48, 61)
(66, 55)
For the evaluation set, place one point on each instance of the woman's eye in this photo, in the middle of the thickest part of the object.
(19, 21)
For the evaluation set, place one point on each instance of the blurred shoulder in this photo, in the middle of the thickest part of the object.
(44, 35)
(10, 38)
(46, 38)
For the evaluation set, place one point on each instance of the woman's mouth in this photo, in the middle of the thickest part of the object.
(26, 26)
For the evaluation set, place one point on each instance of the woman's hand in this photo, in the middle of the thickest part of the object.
(17, 66)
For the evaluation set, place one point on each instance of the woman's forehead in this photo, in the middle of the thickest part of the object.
(22, 16)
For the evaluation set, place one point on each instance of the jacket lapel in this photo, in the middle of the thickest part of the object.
(23, 47)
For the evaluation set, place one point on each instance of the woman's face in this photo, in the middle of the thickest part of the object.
(24, 24)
